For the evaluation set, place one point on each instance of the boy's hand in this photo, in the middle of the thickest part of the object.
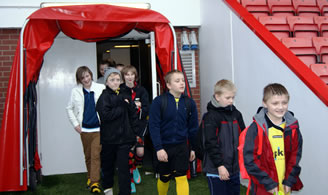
(192, 156)
(78, 129)
(138, 104)
(274, 191)
(223, 173)
(162, 156)
(287, 189)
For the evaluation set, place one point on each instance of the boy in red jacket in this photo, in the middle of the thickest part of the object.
(277, 169)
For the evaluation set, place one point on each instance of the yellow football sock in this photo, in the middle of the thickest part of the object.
(182, 185)
(162, 187)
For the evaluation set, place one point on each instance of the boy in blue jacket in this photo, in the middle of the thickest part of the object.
(170, 132)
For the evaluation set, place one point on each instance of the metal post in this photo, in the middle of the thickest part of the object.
(153, 64)
(21, 103)
(175, 47)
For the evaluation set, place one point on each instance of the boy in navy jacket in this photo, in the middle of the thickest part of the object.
(170, 132)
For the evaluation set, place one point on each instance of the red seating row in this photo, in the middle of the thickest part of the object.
(313, 52)
(286, 7)
(296, 26)
(321, 70)
(309, 50)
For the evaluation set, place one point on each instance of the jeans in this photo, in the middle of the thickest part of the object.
(228, 187)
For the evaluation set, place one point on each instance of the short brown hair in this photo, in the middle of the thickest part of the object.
(111, 62)
(274, 89)
(79, 74)
(224, 84)
(168, 75)
(128, 68)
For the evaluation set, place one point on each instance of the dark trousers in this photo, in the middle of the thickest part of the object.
(178, 161)
(228, 187)
(111, 153)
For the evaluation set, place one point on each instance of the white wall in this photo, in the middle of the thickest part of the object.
(214, 47)
(60, 146)
(253, 65)
(180, 13)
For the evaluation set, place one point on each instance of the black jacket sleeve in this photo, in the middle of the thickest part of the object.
(211, 131)
(107, 109)
(241, 121)
(133, 118)
(144, 99)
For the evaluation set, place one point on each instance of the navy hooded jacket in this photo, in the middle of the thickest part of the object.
(174, 127)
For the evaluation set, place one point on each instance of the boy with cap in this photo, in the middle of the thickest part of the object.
(117, 132)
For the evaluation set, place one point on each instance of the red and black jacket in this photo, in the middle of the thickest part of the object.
(222, 127)
(139, 92)
(261, 168)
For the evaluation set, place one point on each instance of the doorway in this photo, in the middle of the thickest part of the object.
(59, 145)
(132, 49)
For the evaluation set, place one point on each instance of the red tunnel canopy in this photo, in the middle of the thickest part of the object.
(88, 23)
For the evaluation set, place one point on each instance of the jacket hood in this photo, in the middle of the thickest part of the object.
(260, 117)
(215, 106)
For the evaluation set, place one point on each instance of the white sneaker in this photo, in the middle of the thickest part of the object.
(108, 191)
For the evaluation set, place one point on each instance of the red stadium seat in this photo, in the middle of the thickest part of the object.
(256, 7)
(322, 22)
(303, 26)
(323, 5)
(321, 70)
(281, 8)
(321, 45)
(306, 7)
(277, 25)
(303, 48)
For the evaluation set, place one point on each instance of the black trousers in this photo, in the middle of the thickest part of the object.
(178, 161)
(110, 154)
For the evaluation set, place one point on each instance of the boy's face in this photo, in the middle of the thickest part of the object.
(129, 77)
(113, 81)
(86, 80)
(226, 98)
(102, 69)
(176, 85)
(119, 68)
(277, 106)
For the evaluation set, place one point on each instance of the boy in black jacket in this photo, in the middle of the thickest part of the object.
(223, 124)
(117, 132)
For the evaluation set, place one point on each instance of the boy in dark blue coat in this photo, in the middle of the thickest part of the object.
(170, 132)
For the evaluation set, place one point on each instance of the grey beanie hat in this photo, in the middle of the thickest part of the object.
(110, 71)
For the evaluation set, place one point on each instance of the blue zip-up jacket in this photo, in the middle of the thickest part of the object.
(172, 127)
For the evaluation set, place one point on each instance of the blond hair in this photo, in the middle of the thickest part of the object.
(222, 85)
(168, 75)
(274, 89)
